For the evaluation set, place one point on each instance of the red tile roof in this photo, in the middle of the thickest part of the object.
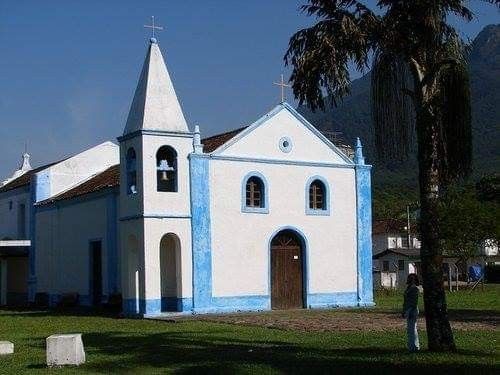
(410, 253)
(106, 179)
(214, 142)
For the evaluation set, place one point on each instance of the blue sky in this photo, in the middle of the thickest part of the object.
(68, 69)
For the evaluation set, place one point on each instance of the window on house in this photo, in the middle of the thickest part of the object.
(385, 266)
(317, 195)
(255, 192)
(131, 166)
(401, 264)
(166, 169)
(404, 242)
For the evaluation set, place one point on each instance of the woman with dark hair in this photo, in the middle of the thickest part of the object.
(410, 311)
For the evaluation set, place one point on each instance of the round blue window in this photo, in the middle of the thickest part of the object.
(285, 144)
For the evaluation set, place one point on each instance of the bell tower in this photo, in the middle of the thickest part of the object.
(154, 189)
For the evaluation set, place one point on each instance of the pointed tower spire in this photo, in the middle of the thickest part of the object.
(155, 105)
(358, 153)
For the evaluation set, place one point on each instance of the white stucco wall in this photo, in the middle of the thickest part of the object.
(240, 241)
(149, 214)
(263, 142)
(155, 229)
(63, 246)
(78, 168)
(9, 218)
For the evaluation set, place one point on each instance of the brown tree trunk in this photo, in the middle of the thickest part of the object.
(439, 333)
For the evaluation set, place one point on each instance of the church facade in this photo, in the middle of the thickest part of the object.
(269, 216)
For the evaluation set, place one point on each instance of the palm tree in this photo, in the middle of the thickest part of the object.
(420, 92)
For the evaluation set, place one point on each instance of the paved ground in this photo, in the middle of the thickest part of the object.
(347, 320)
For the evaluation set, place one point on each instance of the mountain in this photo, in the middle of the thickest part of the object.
(352, 117)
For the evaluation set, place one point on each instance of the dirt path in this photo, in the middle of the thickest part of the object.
(335, 320)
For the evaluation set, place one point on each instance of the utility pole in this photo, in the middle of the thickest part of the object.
(408, 226)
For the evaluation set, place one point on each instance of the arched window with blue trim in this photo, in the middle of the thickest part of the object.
(131, 167)
(317, 196)
(254, 194)
(166, 169)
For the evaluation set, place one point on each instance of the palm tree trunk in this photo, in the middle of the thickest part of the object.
(439, 333)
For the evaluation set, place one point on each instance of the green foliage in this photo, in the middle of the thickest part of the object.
(391, 202)
(392, 108)
(466, 222)
(488, 189)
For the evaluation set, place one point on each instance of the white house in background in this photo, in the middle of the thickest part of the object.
(393, 258)
(269, 216)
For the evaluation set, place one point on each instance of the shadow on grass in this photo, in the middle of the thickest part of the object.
(219, 352)
(490, 317)
(51, 312)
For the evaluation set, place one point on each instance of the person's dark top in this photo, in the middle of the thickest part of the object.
(410, 298)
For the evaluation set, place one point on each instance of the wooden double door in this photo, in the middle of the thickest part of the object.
(286, 271)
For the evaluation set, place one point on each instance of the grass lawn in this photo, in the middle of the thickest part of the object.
(205, 346)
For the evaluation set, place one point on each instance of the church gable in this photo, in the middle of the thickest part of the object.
(281, 134)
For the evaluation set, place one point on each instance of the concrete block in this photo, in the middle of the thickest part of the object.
(6, 347)
(65, 350)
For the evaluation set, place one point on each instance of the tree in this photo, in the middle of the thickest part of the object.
(466, 222)
(420, 94)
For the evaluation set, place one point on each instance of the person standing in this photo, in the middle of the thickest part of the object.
(410, 311)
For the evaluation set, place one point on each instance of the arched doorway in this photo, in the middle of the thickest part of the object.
(170, 271)
(287, 271)
(133, 273)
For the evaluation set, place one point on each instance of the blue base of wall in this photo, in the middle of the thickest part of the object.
(83, 300)
(332, 300)
(17, 299)
(176, 304)
(156, 307)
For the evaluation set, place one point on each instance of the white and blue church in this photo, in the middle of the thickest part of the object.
(270, 216)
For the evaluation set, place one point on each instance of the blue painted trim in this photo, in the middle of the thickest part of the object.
(142, 307)
(201, 231)
(364, 235)
(84, 300)
(112, 243)
(16, 299)
(176, 304)
(55, 298)
(277, 161)
(254, 210)
(332, 300)
(228, 304)
(155, 216)
(326, 210)
(156, 132)
(305, 261)
(39, 190)
(150, 306)
(237, 304)
(272, 113)
(283, 148)
(131, 307)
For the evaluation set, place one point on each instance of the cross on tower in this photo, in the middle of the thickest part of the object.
(283, 85)
(153, 27)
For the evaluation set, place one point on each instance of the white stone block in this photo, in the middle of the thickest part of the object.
(65, 350)
(6, 347)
